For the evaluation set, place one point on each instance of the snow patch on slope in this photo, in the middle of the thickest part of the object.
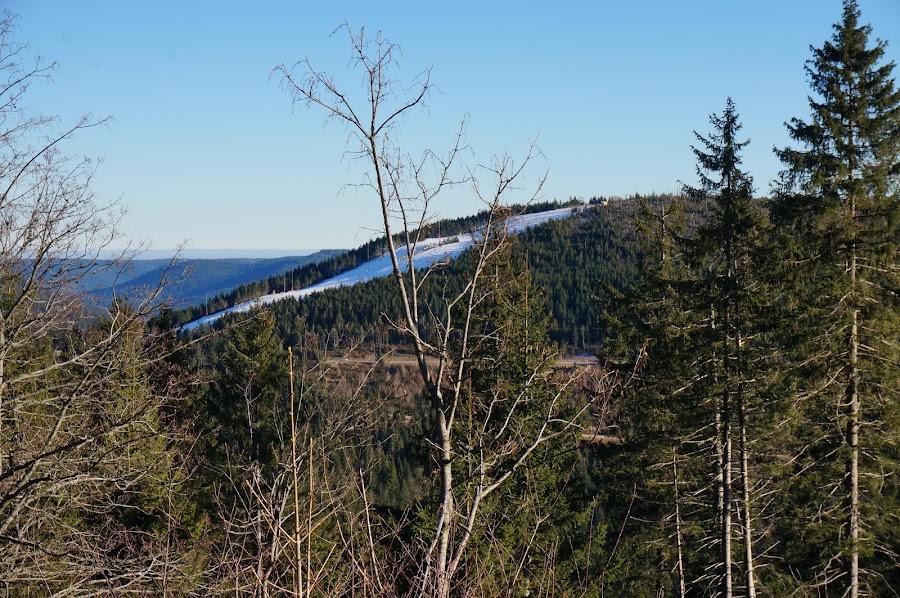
(427, 253)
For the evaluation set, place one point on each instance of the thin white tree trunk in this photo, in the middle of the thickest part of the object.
(298, 573)
(727, 584)
(723, 473)
(853, 442)
(748, 516)
(443, 574)
(679, 540)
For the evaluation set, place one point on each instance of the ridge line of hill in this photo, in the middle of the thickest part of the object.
(428, 251)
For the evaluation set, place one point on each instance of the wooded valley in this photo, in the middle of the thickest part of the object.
(417, 435)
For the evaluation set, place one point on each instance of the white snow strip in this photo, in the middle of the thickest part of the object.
(427, 253)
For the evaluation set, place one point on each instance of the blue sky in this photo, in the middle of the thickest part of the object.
(206, 147)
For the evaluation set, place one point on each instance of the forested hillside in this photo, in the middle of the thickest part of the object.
(311, 274)
(418, 435)
(567, 258)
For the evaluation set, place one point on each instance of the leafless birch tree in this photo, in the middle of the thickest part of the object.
(442, 336)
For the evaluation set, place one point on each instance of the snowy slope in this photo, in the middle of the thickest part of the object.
(427, 253)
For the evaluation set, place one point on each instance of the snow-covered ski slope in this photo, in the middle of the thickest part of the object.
(427, 253)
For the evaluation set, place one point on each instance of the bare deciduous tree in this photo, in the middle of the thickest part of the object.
(442, 336)
(301, 525)
(84, 465)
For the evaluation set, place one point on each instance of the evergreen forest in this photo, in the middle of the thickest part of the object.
(730, 427)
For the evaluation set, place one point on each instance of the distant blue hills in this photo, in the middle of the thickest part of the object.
(192, 280)
(200, 253)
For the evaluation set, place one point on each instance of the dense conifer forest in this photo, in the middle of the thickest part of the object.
(419, 435)
(566, 258)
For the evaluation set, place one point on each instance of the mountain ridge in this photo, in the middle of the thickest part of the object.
(190, 281)
(426, 252)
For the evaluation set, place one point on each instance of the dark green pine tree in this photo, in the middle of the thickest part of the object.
(837, 211)
(640, 479)
(245, 407)
(694, 406)
(511, 396)
(726, 248)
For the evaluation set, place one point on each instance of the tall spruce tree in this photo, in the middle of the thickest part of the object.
(837, 210)
(725, 247)
(648, 342)
(696, 324)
